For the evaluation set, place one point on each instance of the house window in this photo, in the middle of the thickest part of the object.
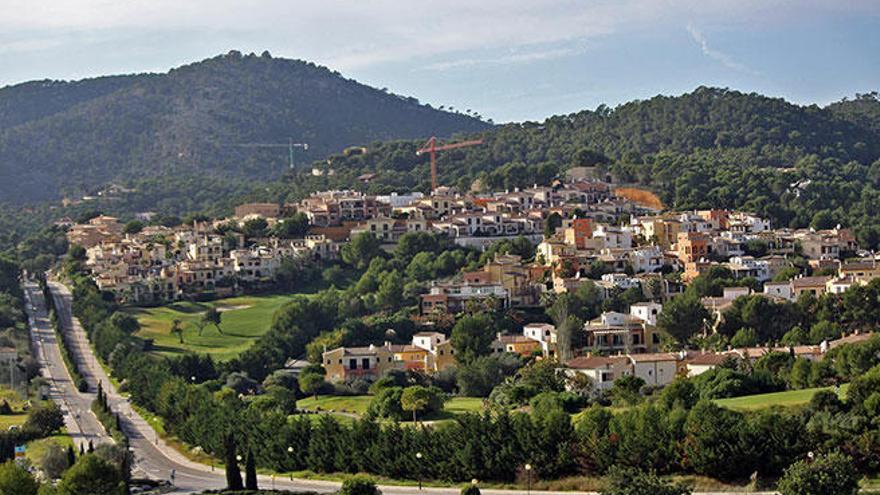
(365, 363)
(352, 364)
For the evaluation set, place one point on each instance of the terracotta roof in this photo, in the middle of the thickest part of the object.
(711, 359)
(653, 357)
(810, 281)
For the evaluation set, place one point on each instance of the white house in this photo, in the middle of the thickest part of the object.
(646, 311)
(655, 369)
(779, 289)
(602, 371)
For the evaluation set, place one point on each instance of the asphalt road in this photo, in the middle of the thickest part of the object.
(153, 457)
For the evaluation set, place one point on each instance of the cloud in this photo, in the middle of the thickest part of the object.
(725, 59)
(508, 59)
(346, 34)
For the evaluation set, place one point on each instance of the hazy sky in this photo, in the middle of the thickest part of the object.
(508, 60)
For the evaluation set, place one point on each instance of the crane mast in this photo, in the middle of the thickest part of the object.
(432, 148)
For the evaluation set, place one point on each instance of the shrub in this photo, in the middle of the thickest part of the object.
(629, 481)
(359, 485)
(471, 489)
(831, 474)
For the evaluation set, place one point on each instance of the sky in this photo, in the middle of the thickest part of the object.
(507, 60)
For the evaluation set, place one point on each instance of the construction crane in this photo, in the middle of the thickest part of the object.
(432, 148)
(290, 145)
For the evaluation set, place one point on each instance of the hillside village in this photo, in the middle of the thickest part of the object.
(584, 234)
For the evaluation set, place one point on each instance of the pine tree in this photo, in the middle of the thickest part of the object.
(233, 474)
(250, 472)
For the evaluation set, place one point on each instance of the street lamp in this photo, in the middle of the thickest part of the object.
(419, 468)
(290, 452)
(810, 456)
(529, 473)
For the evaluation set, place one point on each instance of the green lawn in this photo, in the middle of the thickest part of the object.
(358, 404)
(786, 399)
(244, 319)
(7, 420)
(36, 449)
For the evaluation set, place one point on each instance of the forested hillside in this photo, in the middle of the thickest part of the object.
(798, 165)
(74, 138)
(710, 148)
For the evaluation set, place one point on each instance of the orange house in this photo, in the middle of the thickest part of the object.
(692, 246)
(580, 231)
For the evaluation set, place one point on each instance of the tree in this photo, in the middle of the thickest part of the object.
(744, 337)
(390, 292)
(127, 323)
(716, 442)
(53, 462)
(827, 474)
(626, 390)
(630, 481)
(212, 316)
(682, 317)
(176, 329)
(92, 475)
(310, 383)
(250, 472)
(472, 337)
(45, 420)
(565, 338)
(553, 222)
(361, 250)
(255, 227)
(479, 377)
(14, 480)
(233, 474)
(294, 226)
(418, 399)
(133, 227)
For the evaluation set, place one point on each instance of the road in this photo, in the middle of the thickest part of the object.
(153, 457)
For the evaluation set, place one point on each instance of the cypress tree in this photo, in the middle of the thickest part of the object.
(71, 456)
(250, 472)
(91, 447)
(233, 474)
(82, 451)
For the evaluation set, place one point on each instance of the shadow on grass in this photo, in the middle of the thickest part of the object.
(188, 307)
(165, 348)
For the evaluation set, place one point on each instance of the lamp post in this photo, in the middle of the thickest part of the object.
(290, 452)
(529, 474)
(419, 468)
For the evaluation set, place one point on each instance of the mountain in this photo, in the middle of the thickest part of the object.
(75, 137)
(730, 126)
